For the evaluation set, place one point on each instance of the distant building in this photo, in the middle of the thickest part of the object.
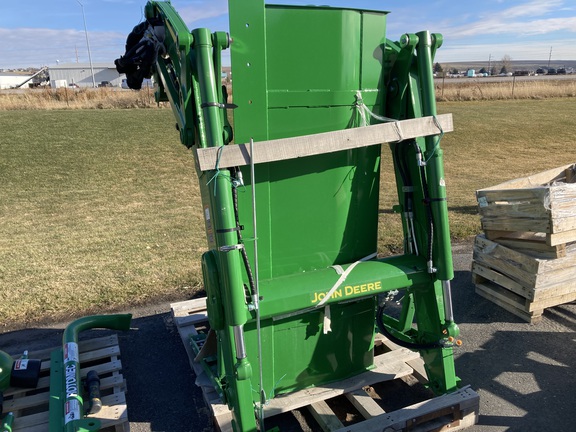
(80, 74)
(12, 79)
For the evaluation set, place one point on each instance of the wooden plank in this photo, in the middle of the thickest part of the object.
(487, 197)
(559, 289)
(515, 209)
(417, 364)
(83, 346)
(516, 224)
(88, 356)
(36, 399)
(406, 418)
(388, 366)
(491, 275)
(529, 271)
(189, 312)
(328, 142)
(188, 307)
(485, 291)
(515, 265)
(561, 224)
(502, 294)
(364, 403)
(493, 235)
(536, 246)
(555, 276)
(224, 421)
(325, 417)
(536, 242)
(114, 411)
(538, 179)
(561, 238)
(552, 301)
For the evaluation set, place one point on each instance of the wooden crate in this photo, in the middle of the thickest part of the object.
(394, 365)
(542, 203)
(30, 406)
(523, 283)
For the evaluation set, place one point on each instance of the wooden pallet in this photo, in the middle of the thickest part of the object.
(542, 203)
(30, 406)
(364, 394)
(522, 283)
(530, 243)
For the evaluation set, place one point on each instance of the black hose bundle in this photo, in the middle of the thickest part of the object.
(142, 48)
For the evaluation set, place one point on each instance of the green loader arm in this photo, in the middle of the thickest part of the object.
(294, 285)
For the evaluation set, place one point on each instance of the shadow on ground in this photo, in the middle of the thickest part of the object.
(525, 374)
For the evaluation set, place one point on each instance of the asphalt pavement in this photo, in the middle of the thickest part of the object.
(525, 374)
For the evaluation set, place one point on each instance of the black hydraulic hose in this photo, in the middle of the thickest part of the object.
(239, 234)
(398, 341)
(408, 191)
(401, 164)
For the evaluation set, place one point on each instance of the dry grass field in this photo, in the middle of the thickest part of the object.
(487, 89)
(80, 98)
(100, 208)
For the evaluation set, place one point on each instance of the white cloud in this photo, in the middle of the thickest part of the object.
(532, 8)
(522, 20)
(199, 10)
(518, 28)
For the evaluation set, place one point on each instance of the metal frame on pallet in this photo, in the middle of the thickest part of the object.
(294, 303)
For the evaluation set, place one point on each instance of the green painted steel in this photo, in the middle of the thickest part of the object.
(6, 362)
(306, 317)
(7, 422)
(66, 405)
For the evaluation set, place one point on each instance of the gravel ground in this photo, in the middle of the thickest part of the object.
(524, 373)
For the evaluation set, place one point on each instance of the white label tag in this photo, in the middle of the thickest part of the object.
(71, 411)
(21, 364)
(71, 352)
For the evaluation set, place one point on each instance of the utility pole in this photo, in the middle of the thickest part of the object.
(549, 57)
(87, 44)
(490, 64)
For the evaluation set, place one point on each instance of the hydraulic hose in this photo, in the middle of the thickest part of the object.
(239, 227)
(408, 191)
(427, 203)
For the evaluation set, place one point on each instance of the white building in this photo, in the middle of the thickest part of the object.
(11, 79)
(81, 74)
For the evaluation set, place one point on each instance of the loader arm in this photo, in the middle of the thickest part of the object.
(295, 286)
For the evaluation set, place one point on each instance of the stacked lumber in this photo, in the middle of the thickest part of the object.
(526, 259)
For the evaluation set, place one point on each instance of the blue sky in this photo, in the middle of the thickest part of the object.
(40, 32)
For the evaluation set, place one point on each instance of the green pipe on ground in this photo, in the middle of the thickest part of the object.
(66, 402)
(6, 362)
(7, 422)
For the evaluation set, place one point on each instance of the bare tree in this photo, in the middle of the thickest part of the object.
(506, 64)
